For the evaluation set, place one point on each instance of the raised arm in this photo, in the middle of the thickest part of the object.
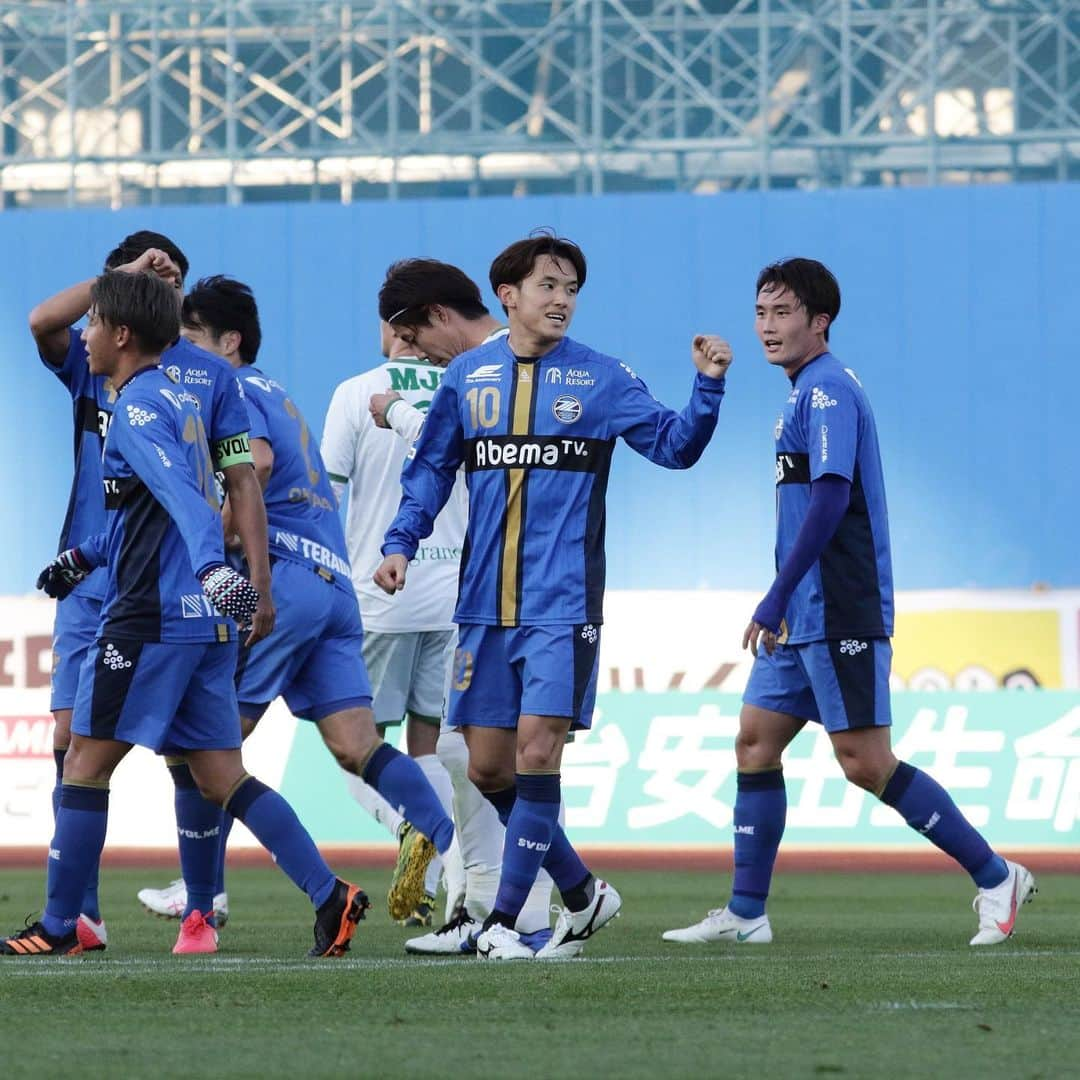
(51, 319)
(672, 439)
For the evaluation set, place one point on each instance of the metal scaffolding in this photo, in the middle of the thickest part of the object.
(125, 101)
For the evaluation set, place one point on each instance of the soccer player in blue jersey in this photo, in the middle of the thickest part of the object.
(63, 351)
(534, 417)
(820, 637)
(160, 673)
(313, 658)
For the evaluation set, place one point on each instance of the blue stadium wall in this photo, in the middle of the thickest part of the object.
(959, 315)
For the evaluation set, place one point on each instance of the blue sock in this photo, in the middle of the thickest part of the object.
(533, 820)
(90, 904)
(760, 813)
(223, 840)
(928, 808)
(402, 783)
(503, 801)
(74, 852)
(278, 829)
(198, 830)
(562, 862)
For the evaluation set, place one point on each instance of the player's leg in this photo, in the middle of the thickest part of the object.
(75, 850)
(557, 667)
(421, 737)
(853, 676)
(478, 831)
(82, 813)
(388, 660)
(776, 704)
(74, 631)
(207, 729)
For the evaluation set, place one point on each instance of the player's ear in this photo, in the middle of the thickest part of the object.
(230, 341)
(438, 313)
(122, 336)
(507, 295)
(820, 323)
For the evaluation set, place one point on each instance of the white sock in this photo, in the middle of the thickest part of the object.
(439, 779)
(479, 831)
(453, 878)
(374, 804)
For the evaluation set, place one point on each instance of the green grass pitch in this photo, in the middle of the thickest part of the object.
(869, 975)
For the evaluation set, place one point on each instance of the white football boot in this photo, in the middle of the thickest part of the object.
(997, 907)
(574, 928)
(723, 925)
(169, 903)
(499, 942)
(453, 939)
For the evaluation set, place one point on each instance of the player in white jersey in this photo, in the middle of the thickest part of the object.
(395, 395)
(407, 648)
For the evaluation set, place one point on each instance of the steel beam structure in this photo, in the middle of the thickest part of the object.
(124, 101)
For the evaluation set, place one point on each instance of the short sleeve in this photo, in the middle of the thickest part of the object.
(832, 418)
(73, 371)
(229, 414)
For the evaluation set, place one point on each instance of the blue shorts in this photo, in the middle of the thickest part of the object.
(313, 656)
(842, 684)
(74, 631)
(167, 696)
(501, 673)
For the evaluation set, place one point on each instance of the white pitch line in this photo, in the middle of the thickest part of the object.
(90, 967)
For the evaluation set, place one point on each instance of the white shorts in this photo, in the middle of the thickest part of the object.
(409, 673)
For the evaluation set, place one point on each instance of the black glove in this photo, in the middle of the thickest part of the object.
(64, 573)
(231, 593)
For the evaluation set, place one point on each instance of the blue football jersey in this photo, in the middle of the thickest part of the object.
(301, 508)
(536, 438)
(210, 379)
(827, 428)
(163, 521)
(92, 399)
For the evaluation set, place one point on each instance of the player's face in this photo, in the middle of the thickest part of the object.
(439, 339)
(788, 336)
(102, 349)
(543, 304)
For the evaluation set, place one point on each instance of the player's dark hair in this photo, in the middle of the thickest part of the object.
(515, 264)
(414, 285)
(810, 282)
(131, 247)
(144, 303)
(221, 303)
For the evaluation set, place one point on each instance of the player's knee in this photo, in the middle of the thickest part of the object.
(487, 777)
(864, 772)
(752, 752)
(537, 756)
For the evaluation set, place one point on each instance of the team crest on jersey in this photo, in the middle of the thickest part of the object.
(566, 408)
(173, 372)
(485, 373)
(553, 376)
(779, 429)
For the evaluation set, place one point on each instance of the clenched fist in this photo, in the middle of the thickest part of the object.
(712, 355)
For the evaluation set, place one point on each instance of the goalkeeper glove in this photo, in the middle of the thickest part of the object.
(231, 593)
(64, 573)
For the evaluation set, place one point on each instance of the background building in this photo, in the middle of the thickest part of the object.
(118, 102)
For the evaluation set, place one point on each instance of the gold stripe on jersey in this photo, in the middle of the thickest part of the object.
(509, 584)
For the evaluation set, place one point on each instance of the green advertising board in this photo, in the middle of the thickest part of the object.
(658, 770)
